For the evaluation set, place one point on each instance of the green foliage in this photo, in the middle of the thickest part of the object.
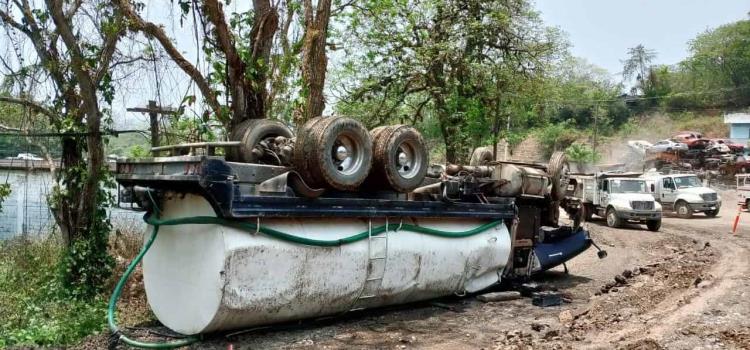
(582, 153)
(123, 144)
(637, 65)
(715, 75)
(36, 309)
(86, 263)
(556, 137)
(4, 193)
(138, 151)
(468, 64)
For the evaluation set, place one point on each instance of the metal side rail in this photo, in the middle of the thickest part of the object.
(274, 206)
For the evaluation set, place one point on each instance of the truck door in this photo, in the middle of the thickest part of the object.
(668, 192)
(604, 193)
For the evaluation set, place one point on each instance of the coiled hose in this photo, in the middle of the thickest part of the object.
(156, 223)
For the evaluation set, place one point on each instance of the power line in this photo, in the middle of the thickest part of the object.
(75, 134)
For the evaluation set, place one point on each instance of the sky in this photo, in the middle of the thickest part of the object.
(601, 31)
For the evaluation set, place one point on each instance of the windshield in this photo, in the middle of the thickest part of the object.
(687, 181)
(628, 186)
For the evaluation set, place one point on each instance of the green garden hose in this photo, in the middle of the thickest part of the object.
(116, 295)
(211, 220)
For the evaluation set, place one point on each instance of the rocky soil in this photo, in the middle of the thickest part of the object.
(685, 287)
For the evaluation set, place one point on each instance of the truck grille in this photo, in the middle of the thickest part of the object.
(642, 205)
(709, 196)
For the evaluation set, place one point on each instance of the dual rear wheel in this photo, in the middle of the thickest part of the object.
(340, 153)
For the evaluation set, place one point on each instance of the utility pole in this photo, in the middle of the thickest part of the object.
(153, 112)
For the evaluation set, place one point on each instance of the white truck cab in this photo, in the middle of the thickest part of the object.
(617, 197)
(683, 194)
(743, 190)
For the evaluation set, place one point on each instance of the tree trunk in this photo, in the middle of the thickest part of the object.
(314, 61)
(65, 207)
(456, 150)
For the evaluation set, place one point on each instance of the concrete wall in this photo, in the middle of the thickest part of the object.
(739, 133)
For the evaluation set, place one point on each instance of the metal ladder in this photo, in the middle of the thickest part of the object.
(377, 247)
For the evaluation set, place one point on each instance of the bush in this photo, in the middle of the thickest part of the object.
(556, 137)
(35, 308)
(582, 153)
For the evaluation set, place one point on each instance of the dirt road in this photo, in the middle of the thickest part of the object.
(684, 287)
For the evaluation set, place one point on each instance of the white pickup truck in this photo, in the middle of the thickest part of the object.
(617, 197)
(683, 194)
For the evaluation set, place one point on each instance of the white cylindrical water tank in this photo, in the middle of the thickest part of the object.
(202, 278)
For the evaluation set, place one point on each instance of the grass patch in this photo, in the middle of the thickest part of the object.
(35, 308)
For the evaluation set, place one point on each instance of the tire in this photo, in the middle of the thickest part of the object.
(559, 170)
(326, 141)
(712, 213)
(653, 225)
(303, 146)
(588, 212)
(400, 158)
(612, 219)
(481, 156)
(683, 210)
(250, 132)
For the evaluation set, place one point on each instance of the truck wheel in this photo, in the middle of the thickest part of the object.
(683, 210)
(341, 155)
(481, 156)
(712, 213)
(399, 158)
(653, 225)
(612, 219)
(588, 211)
(251, 132)
(559, 170)
(304, 145)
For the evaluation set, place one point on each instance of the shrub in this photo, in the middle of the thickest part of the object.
(582, 153)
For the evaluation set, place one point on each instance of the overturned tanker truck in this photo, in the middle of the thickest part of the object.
(335, 219)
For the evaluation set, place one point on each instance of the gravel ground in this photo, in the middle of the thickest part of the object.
(685, 287)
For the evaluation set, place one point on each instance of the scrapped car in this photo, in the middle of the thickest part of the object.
(715, 148)
(639, 146)
(733, 146)
(668, 146)
(694, 140)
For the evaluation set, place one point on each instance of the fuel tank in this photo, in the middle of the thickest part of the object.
(203, 278)
(520, 180)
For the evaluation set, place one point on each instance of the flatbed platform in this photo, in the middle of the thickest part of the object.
(232, 190)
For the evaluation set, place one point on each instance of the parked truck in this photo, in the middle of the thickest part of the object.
(683, 194)
(618, 197)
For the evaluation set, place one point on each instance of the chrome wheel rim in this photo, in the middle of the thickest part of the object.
(682, 210)
(347, 154)
(611, 219)
(407, 160)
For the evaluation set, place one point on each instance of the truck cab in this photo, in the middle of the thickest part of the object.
(617, 197)
(743, 190)
(684, 194)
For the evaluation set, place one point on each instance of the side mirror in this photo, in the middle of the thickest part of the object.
(653, 188)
